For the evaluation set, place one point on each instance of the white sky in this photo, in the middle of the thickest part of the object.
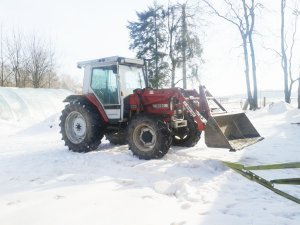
(82, 30)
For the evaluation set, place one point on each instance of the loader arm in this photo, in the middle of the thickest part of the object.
(193, 110)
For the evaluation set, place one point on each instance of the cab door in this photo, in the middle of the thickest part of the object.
(104, 83)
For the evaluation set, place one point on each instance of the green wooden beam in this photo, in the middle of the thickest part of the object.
(293, 181)
(245, 171)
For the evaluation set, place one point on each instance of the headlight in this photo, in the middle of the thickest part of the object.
(179, 111)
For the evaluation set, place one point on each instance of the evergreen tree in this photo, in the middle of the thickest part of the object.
(148, 39)
(166, 37)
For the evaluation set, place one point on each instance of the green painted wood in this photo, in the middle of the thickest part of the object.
(245, 171)
(294, 165)
(292, 181)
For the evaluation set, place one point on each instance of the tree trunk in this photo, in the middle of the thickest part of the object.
(299, 92)
(250, 28)
(156, 48)
(246, 60)
(171, 52)
(173, 74)
(17, 78)
(284, 63)
(253, 73)
(184, 45)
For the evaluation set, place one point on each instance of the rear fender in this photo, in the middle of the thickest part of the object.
(89, 99)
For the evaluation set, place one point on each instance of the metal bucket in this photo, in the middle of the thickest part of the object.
(232, 131)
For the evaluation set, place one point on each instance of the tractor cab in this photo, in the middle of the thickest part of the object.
(111, 80)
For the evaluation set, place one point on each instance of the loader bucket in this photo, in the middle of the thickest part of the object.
(232, 131)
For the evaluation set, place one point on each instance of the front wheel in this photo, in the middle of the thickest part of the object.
(148, 137)
(81, 127)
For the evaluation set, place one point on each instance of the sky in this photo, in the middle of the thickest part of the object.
(81, 30)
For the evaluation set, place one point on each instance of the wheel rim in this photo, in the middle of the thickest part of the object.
(144, 137)
(75, 127)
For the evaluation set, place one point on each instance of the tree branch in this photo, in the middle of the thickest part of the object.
(219, 15)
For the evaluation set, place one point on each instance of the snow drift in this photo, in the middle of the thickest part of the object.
(30, 104)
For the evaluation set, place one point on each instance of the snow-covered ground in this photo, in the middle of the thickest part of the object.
(42, 183)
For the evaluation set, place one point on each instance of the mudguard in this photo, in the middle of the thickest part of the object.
(89, 99)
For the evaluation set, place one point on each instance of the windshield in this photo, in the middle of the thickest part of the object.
(131, 78)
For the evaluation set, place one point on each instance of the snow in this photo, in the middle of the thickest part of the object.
(41, 182)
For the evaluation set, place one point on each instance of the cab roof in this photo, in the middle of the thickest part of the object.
(110, 61)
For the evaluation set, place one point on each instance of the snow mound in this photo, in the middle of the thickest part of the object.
(30, 104)
(279, 107)
(278, 112)
(177, 188)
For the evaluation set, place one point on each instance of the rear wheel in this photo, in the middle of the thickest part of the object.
(187, 136)
(148, 137)
(81, 127)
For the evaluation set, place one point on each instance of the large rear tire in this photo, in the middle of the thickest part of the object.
(187, 136)
(81, 127)
(148, 137)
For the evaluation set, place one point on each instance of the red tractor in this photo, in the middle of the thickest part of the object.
(118, 103)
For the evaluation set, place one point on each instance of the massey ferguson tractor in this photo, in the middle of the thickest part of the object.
(118, 102)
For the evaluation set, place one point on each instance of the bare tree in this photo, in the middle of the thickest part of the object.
(173, 20)
(15, 56)
(52, 79)
(286, 51)
(183, 41)
(1, 57)
(249, 12)
(242, 16)
(39, 62)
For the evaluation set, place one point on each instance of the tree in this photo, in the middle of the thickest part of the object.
(173, 25)
(189, 44)
(52, 79)
(286, 51)
(15, 56)
(166, 37)
(184, 39)
(184, 44)
(242, 16)
(1, 58)
(39, 63)
(149, 40)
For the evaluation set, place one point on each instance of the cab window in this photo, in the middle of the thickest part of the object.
(104, 84)
(132, 78)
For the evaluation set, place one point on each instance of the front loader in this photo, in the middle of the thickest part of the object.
(117, 102)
